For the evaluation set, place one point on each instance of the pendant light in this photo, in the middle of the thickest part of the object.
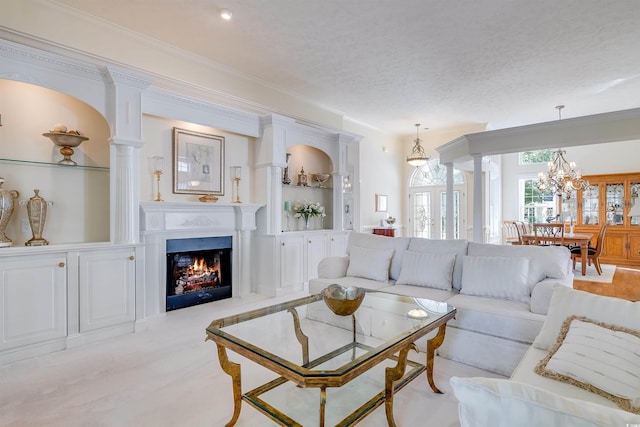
(417, 157)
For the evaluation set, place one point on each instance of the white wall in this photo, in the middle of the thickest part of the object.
(614, 157)
(157, 135)
(80, 196)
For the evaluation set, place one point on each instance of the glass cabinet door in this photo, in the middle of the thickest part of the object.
(615, 204)
(590, 205)
(635, 190)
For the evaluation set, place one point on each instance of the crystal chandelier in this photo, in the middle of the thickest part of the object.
(562, 178)
(417, 157)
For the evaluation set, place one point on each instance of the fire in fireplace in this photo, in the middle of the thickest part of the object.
(198, 271)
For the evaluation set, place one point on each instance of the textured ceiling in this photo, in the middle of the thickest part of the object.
(393, 63)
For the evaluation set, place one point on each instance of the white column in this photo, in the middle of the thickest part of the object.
(449, 202)
(125, 221)
(477, 199)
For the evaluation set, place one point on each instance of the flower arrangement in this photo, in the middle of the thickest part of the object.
(306, 210)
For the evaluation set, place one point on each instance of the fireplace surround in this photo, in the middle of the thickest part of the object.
(161, 222)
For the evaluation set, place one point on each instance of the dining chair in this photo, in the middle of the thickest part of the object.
(510, 233)
(551, 233)
(593, 253)
(524, 228)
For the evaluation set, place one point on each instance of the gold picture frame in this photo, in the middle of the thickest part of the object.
(198, 163)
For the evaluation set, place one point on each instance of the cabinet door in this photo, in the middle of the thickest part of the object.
(615, 245)
(316, 252)
(634, 247)
(107, 288)
(292, 263)
(33, 295)
(338, 244)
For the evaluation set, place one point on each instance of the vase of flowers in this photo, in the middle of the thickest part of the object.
(306, 210)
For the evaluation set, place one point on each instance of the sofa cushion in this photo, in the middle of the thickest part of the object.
(427, 269)
(369, 263)
(373, 241)
(598, 357)
(496, 317)
(418, 292)
(496, 277)
(494, 402)
(544, 261)
(458, 247)
(566, 302)
(318, 284)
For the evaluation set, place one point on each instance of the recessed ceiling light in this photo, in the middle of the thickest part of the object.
(226, 14)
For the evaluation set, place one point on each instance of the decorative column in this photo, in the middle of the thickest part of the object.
(449, 202)
(478, 232)
(124, 114)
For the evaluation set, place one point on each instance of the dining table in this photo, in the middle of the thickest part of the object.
(577, 239)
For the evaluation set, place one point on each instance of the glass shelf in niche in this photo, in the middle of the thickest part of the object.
(52, 164)
(308, 187)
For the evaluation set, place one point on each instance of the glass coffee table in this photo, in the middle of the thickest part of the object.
(356, 362)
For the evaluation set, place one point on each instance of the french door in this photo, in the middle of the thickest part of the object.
(428, 211)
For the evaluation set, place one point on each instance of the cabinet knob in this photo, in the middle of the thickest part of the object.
(282, 243)
(332, 239)
(132, 257)
(61, 264)
(309, 241)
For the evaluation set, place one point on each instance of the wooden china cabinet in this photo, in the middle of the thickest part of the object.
(609, 198)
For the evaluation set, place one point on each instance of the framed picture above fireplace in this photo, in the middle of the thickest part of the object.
(198, 163)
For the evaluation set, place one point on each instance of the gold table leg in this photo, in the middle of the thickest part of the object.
(232, 369)
(432, 346)
(302, 338)
(392, 375)
(323, 404)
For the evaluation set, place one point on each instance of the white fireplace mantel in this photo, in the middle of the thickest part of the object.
(162, 221)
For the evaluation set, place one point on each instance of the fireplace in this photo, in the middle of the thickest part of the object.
(198, 271)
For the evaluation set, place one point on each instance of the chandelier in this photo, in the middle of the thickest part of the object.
(417, 157)
(562, 178)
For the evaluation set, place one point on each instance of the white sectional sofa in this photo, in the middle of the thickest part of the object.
(502, 293)
(579, 372)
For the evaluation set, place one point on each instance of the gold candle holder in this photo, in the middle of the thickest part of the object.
(157, 171)
(236, 172)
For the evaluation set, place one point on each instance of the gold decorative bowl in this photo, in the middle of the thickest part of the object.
(321, 178)
(343, 301)
(66, 140)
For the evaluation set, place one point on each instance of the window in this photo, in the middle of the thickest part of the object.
(537, 156)
(535, 205)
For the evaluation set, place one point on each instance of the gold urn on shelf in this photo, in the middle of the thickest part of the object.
(67, 141)
(37, 213)
(7, 198)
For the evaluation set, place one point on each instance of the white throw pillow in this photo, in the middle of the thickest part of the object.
(373, 241)
(369, 263)
(567, 302)
(434, 246)
(597, 357)
(496, 277)
(493, 402)
(425, 269)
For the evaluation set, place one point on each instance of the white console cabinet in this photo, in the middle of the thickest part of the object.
(56, 297)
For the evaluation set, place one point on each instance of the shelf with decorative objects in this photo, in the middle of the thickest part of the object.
(52, 164)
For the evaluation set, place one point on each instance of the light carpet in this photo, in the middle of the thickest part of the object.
(608, 270)
(167, 375)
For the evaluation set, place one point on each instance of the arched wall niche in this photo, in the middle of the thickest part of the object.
(80, 194)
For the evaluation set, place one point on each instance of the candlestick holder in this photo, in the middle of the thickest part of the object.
(157, 171)
(236, 172)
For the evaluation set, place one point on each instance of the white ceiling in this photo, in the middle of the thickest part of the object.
(393, 63)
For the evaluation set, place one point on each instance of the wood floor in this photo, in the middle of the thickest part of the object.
(626, 284)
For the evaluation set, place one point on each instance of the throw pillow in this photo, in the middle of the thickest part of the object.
(566, 302)
(373, 241)
(597, 357)
(369, 263)
(432, 246)
(497, 402)
(425, 269)
(496, 277)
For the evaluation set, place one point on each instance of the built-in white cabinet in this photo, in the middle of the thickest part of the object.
(33, 300)
(56, 297)
(106, 288)
(298, 255)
